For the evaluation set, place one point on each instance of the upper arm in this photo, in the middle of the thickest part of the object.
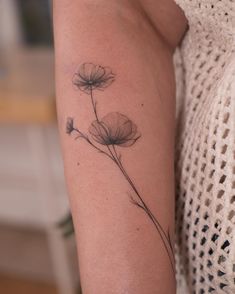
(118, 143)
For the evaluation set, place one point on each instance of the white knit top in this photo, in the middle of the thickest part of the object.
(205, 151)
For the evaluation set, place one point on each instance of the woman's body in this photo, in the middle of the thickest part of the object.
(121, 243)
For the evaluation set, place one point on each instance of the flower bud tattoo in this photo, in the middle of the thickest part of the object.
(110, 132)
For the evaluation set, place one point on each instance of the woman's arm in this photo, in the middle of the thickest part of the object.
(116, 109)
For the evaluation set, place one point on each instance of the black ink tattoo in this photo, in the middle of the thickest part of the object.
(110, 132)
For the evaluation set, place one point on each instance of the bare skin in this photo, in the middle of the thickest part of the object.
(123, 206)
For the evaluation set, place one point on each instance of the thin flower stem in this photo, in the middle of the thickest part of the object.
(81, 135)
(94, 105)
(137, 191)
(145, 207)
(169, 238)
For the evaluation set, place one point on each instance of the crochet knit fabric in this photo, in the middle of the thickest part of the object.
(205, 149)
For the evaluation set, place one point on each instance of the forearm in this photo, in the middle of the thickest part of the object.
(119, 169)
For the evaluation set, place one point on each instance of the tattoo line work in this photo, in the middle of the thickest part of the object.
(113, 130)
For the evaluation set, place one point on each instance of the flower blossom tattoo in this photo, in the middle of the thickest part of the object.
(110, 132)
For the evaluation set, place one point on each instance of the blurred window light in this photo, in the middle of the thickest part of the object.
(10, 29)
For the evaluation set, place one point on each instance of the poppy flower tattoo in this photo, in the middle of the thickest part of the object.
(109, 133)
(92, 77)
(114, 129)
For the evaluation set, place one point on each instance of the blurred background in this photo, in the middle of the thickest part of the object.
(37, 247)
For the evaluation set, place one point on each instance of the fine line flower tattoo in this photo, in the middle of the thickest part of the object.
(109, 133)
(91, 77)
(114, 129)
(69, 125)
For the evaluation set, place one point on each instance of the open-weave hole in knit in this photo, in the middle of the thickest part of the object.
(205, 149)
